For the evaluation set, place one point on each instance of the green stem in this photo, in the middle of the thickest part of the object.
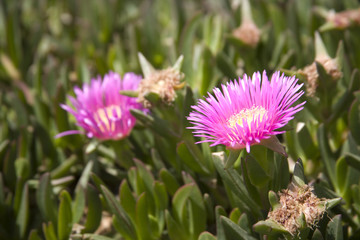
(246, 11)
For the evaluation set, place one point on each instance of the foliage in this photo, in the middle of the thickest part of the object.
(157, 183)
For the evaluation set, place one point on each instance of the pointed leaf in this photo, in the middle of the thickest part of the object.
(174, 229)
(94, 210)
(22, 218)
(334, 229)
(120, 214)
(49, 231)
(169, 180)
(44, 198)
(233, 231)
(299, 176)
(127, 199)
(146, 67)
(257, 175)
(65, 216)
(206, 236)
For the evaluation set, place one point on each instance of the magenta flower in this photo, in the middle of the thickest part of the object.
(101, 110)
(247, 112)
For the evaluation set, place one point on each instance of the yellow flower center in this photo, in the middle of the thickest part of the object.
(103, 117)
(247, 115)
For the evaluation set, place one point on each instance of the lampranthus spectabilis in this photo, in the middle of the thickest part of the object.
(247, 112)
(101, 110)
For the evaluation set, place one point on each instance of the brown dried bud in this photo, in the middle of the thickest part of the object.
(248, 33)
(162, 82)
(344, 19)
(312, 75)
(295, 204)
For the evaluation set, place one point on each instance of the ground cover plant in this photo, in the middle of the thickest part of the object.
(181, 120)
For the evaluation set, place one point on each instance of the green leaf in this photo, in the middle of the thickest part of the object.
(169, 180)
(146, 67)
(127, 199)
(243, 222)
(269, 226)
(145, 177)
(232, 158)
(187, 44)
(213, 31)
(2, 193)
(232, 179)
(257, 174)
(127, 228)
(354, 120)
(190, 159)
(317, 235)
(98, 237)
(174, 228)
(79, 203)
(225, 65)
(142, 218)
(332, 203)
(44, 198)
(22, 217)
(209, 205)
(206, 236)
(220, 211)
(341, 174)
(334, 229)
(307, 143)
(179, 201)
(22, 167)
(353, 160)
(98, 182)
(326, 154)
(274, 200)
(253, 191)
(161, 196)
(234, 231)
(189, 209)
(281, 175)
(235, 215)
(94, 210)
(299, 176)
(64, 168)
(34, 235)
(65, 216)
(49, 231)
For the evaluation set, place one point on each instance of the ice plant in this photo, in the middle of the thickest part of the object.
(101, 110)
(247, 111)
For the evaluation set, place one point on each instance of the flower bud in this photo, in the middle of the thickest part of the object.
(299, 208)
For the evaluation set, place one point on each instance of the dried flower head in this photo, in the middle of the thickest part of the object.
(100, 109)
(312, 76)
(247, 111)
(162, 82)
(345, 19)
(296, 203)
(248, 33)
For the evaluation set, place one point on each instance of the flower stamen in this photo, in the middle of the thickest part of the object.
(247, 115)
(105, 117)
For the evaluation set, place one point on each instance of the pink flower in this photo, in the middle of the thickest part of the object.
(247, 111)
(101, 110)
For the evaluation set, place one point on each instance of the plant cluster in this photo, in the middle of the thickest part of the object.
(180, 119)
